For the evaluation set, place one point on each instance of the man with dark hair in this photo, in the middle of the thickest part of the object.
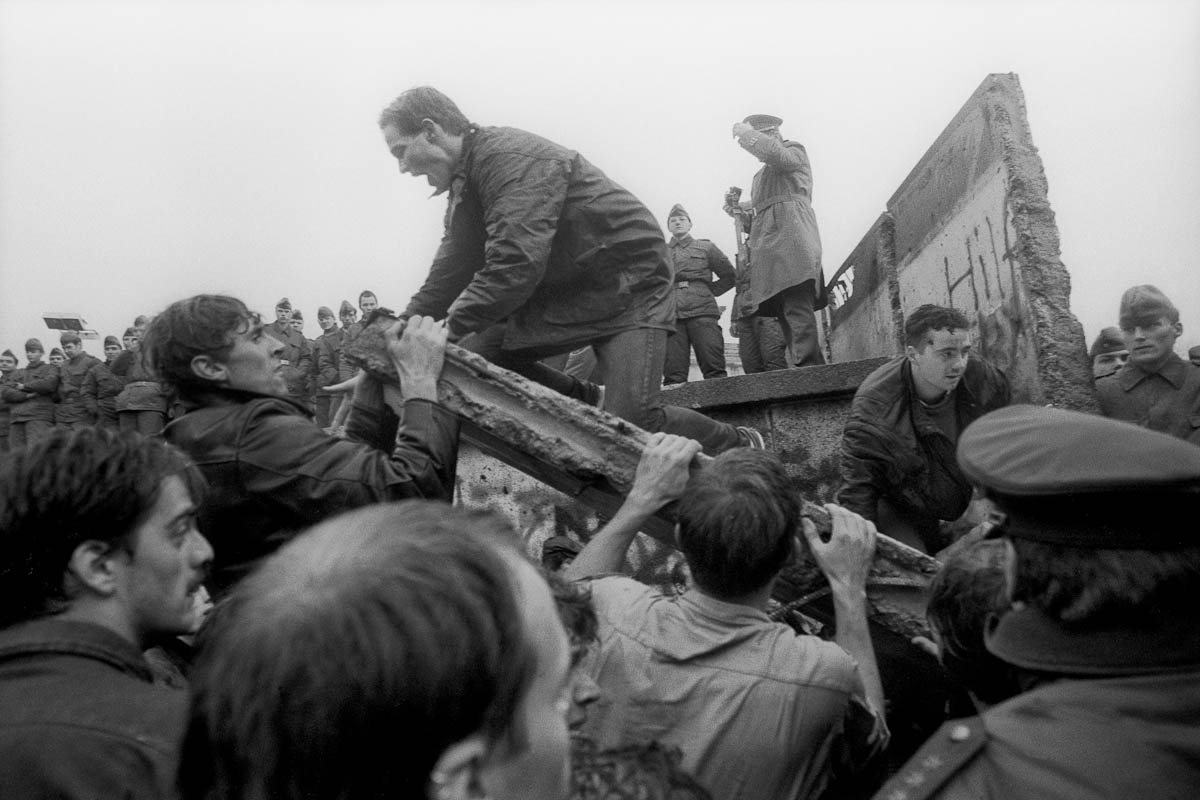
(1103, 631)
(1108, 353)
(1156, 388)
(784, 276)
(99, 556)
(73, 410)
(273, 472)
(694, 262)
(543, 254)
(423, 658)
(30, 395)
(367, 302)
(898, 467)
(757, 710)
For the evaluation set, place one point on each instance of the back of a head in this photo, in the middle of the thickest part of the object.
(737, 521)
(928, 318)
(200, 325)
(967, 590)
(356, 655)
(407, 111)
(88, 484)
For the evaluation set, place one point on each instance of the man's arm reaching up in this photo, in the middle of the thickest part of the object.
(662, 474)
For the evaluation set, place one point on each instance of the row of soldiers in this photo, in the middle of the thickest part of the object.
(71, 388)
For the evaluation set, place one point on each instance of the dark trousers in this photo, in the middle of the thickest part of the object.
(702, 334)
(631, 363)
(794, 310)
(148, 423)
(761, 345)
(326, 409)
(23, 434)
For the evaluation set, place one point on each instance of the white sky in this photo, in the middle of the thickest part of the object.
(153, 150)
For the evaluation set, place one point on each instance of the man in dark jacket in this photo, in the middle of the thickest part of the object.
(8, 365)
(296, 358)
(542, 254)
(271, 470)
(694, 262)
(898, 467)
(101, 386)
(30, 395)
(73, 410)
(100, 556)
(1102, 631)
(328, 358)
(1156, 388)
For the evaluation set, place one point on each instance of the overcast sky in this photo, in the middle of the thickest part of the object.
(153, 150)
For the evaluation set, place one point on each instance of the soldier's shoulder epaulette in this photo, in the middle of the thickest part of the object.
(951, 748)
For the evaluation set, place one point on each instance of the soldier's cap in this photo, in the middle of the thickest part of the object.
(1110, 340)
(112, 340)
(296, 314)
(324, 311)
(56, 351)
(10, 354)
(34, 344)
(678, 211)
(346, 308)
(1081, 480)
(760, 122)
(284, 304)
(1145, 304)
(129, 332)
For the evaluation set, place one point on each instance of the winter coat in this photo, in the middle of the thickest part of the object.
(72, 406)
(36, 401)
(694, 262)
(539, 239)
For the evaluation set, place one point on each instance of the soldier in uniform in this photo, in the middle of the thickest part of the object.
(1103, 632)
(296, 357)
(694, 262)
(1108, 353)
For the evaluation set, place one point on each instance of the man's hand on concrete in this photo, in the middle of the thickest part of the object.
(662, 473)
(846, 558)
(418, 350)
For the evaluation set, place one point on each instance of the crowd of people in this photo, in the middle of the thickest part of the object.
(264, 590)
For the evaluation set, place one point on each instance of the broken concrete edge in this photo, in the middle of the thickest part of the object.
(1064, 368)
(783, 385)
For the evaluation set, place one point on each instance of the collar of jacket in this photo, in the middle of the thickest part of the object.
(73, 638)
(682, 241)
(1174, 372)
(1028, 638)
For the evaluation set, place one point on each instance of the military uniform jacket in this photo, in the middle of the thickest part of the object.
(539, 239)
(72, 407)
(1167, 401)
(784, 244)
(694, 262)
(36, 401)
(329, 360)
(297, 356)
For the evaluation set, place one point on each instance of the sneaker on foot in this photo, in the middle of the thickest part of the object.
(749, 437)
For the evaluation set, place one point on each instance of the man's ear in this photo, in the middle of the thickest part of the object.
(206, 367)
(457, 774)
(92, 565)
(1178, 326)
(911, 352)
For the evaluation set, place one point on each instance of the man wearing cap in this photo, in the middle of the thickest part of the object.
(1156, 388)
(898, 466)
(30, 395)
(310, 346)
(1108, 352)
(542, 254)
(785, 244)
(694, 262)
(73, 410)
(1102, 632)
(297, 360)
(8, 365)
(101, 387)
(328, 350)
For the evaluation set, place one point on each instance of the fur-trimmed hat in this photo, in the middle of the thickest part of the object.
(1110, 340)
(1145, 303)
(678, 211)
(34, 344)
(284, 304)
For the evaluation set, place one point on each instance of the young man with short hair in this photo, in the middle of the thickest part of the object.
(101, 387)
(1108, 353)
(327, 351)
(99, 555)
(73, 410)
(1156, 388)
(898, 467)
(694, 262)
(296, 358)
(273, 472)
